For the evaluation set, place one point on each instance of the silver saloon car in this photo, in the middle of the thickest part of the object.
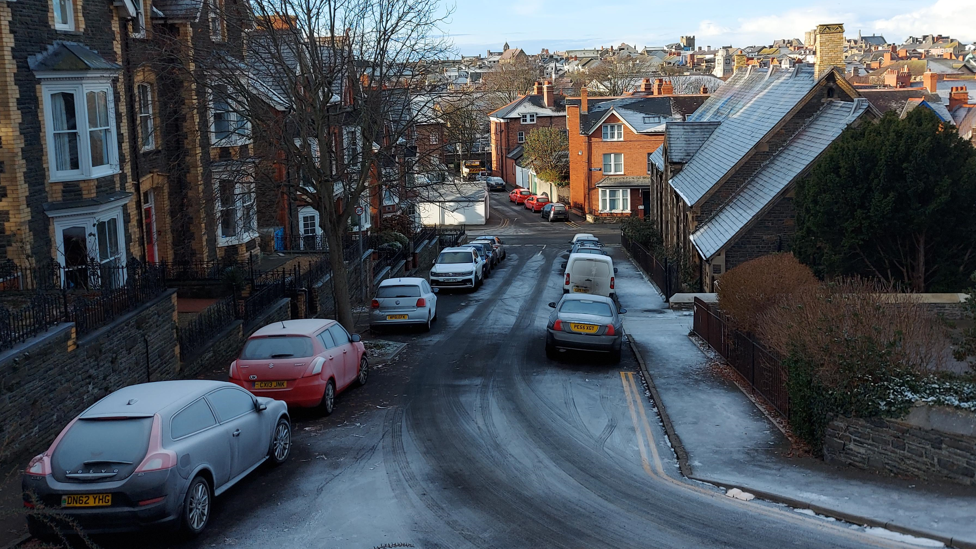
(153, 455)
(402, 301)
(587, 323)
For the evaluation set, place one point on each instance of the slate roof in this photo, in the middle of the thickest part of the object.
(748, 106)
(624, 182)
(179, 9)
(70, 56)
(531, 103)
(516, 153)
(897, 99)
(644, 114)
(874, 40)
(775, 176)
(938, 108)
(685, 138)
(657, 158)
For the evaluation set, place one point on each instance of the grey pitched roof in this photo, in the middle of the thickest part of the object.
(657, 158)
(70, 56)
(748, 106)
(642, 113)
(535, 103)
(937, 107)
(624, 181)
(179, 9)
(516, 153)
(775, 176)
(685, 138)
(874, 40)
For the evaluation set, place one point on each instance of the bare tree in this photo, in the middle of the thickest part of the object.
(331, 87)
(619, 74)
(465, 122)
(508, 81)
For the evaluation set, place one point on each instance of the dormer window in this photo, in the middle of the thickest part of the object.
(613, 132)
(528, 118)
(216, 21)
(64, 15)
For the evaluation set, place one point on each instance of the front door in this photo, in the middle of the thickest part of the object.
(149, 218)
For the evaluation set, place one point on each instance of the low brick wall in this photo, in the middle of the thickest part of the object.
(51, 378)
(934, 443)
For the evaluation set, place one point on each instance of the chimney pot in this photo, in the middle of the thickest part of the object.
(958, 96)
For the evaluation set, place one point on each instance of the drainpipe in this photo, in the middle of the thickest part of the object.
(128, 85)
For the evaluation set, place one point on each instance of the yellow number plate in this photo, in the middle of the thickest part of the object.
(584, 328)
(270, 384)
(86, 500)
(581, 290)
(396, 317)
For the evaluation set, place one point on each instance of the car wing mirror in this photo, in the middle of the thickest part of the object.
(564, 265)
(355, 338)
(435, 290)
(621, 311)
(552, 304)
(260, 406)
(614, 270)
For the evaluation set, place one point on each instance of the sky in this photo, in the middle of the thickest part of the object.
(476, 25)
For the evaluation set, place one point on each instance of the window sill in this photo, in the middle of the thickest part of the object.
(83, 176)
(235, 240)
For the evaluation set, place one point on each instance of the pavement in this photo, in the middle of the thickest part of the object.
(722, 438)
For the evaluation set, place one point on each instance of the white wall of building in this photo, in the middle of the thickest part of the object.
(454, 213)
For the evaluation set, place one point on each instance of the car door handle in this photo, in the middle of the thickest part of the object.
(331, 358)
(344, 351)
(236, 433)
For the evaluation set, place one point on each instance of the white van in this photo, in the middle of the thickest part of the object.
(590, 274)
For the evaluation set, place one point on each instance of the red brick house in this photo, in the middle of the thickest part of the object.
(511, 124)
(612, 139)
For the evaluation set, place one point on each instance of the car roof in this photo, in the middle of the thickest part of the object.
(456, 249)
(592, 257)
(578, 236)
(587, 297)
(401, 281)
(300, 327)
(148, 399)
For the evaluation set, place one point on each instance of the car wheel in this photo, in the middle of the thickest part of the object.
(197, 506)
(615, 356)
(327, 406)
(429, 320)
(363, 376)
(280, 442)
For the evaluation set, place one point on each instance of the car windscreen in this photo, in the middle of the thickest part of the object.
(595, 251)
(452, 258)
(584, 307)
(100, 447)
(590, 268)
(398, 291)
(478, 248)
(260, 348)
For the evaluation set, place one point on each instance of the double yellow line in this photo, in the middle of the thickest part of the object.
(654, 467)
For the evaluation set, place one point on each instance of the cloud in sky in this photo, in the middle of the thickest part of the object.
(956, 18)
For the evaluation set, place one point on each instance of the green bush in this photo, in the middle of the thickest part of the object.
(642, 232)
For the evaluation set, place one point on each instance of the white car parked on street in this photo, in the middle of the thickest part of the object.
(402, 301)
(457, 268)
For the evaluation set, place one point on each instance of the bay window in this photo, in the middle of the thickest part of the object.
(80, 124)
(614, 200)
(613, 163)
(235, 206)
(90, 244)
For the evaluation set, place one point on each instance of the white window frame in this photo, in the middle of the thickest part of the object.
(68, 25)
(244, 197)
(148, 141)
(89, 217)
(239, 127)
(216, 20)
(80, 85)
(528, 118)
(139, 19)
(433, 138)
(351, 140)
(616, 163)
(521, 137)
(613, 132)
(622, 196)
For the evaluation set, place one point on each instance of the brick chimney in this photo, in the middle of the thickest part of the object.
(658, 88)
(931, 81)
(547, 96)
(667, 88)
(645, 85)
(584, 108)
(537, 88)
(704, 90)
(958, 96)
(830, 49)
(739, 62)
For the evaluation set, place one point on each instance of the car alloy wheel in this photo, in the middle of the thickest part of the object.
(363, 371)
(196, 511)
(328, 398)
(429, 320)
(281, 442)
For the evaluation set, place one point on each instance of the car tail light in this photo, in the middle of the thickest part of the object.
(39, 466)
(567, 279)
(157, 461)
(233, 370)
(421, 302)
(315, 368)
(611, 282)
(558, 325)
(376, 304)
(610, 330)
(151, 501)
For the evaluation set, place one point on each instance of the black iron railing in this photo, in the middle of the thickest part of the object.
(663, 272)
(210, 322)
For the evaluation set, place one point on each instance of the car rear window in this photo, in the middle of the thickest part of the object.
(583, 307)
(96, 445)
(587, 267)
(398, 291)
(260, 348)
(525, 192)
(452, 258)
(559, 207)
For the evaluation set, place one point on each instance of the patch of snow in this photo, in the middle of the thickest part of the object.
(813, 514)
(739, 494)
(903, 538)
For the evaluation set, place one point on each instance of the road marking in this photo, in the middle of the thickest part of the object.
(649, 453)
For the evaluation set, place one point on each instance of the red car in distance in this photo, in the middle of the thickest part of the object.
(536, 203)
(305, 363)
(519, 195)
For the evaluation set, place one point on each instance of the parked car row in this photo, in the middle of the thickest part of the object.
(467, 265)
(587, 317)
(551, 211)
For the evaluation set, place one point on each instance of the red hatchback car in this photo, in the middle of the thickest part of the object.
(520, 195)
(305, 363)
(535, 203)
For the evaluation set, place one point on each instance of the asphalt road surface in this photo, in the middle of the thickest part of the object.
(472, 438)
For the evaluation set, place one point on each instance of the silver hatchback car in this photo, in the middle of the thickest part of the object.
(587, 323)
(153, 455)
(401, 301)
